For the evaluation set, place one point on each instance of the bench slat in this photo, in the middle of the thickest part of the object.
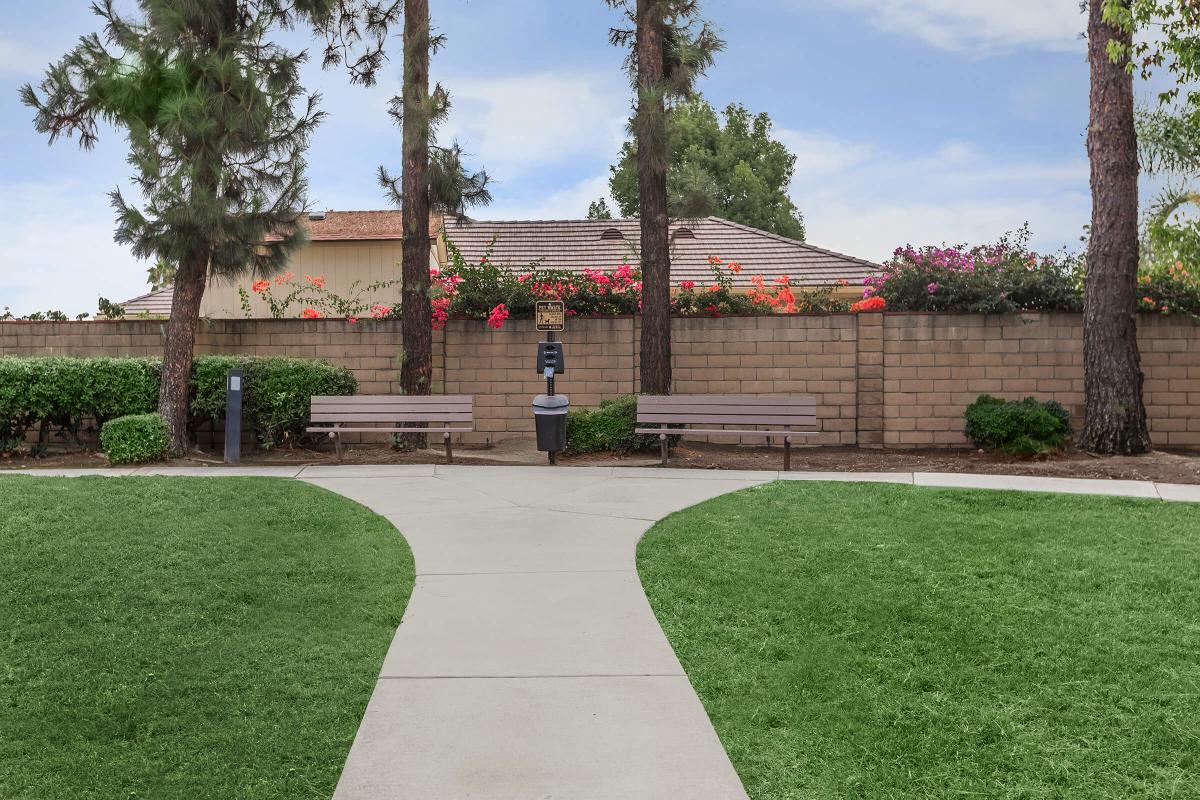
(728, 399)
(730, 419)
(389, 430)
(724, 432)
(728, 409)
(392, 399)
(328, 416)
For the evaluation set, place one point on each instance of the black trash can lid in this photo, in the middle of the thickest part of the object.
(555, 402)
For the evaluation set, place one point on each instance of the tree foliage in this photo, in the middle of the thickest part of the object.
(728, 165)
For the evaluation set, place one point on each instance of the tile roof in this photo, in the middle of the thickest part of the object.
(605, 244)
(156, 304)
(359, 226)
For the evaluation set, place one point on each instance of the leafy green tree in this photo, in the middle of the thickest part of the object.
(670, 47)
(217, 123)
(599, 210)
(729, 165)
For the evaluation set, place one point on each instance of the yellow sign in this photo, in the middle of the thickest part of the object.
(551, 315)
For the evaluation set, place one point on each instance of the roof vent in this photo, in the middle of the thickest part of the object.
(684, 233)
(612, 234)
(317, 216)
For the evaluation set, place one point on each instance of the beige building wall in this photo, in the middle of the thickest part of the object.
(342, 263)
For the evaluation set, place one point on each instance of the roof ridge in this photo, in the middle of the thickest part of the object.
(796, 242)
(170, 288)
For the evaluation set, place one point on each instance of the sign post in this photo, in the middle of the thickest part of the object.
(549, 410)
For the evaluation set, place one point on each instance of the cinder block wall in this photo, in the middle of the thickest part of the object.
(896, 380)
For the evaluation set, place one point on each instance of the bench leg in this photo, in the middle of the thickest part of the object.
(337, 444)
(449, 449)
(787, 454)
(664, 447)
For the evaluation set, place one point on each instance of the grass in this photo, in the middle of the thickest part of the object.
(187, 637)
(894, 641)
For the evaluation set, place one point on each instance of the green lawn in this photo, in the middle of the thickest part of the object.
(187, 637)
(894, 641)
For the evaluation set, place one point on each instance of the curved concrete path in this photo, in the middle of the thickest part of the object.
(528, 663)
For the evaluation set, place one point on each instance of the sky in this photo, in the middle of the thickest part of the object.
(913, 121)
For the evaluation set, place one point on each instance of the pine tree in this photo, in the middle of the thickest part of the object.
(1115, 414)
(670, 48)
(217, 124)
(433, 178)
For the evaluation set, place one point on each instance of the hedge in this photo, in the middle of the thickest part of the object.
(1019, 427)
(63, 392)
(135, 439)
(608, 429)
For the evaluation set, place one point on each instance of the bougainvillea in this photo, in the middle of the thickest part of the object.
(869, 304)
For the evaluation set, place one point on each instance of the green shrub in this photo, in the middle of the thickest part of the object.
(135, 439)
(65, 391)
(278, 392)
(608, 429)
(1020, 427)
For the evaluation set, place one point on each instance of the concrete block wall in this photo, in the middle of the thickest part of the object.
(895, 380)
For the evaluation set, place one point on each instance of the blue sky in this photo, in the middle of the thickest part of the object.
(916, 121)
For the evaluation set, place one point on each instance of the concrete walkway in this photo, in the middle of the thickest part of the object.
(529, 663)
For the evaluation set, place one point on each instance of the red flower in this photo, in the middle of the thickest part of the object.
(380, 311)
(310, 313)
(713, 310)
(870, 304)
(260, 286)
(687, 286)
(496, 318)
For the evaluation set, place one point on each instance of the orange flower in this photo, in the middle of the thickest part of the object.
(284, 278)
(318, 281)
(260, 286)
(870, 304)
(714, 260)
(735, 267)
(716, 287)
(310, 313)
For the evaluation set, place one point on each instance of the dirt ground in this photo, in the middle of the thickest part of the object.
(1159, 466)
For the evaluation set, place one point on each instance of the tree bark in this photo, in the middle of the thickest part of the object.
(416, 323)
(652, 189)
(177, 353)
(1115, 415)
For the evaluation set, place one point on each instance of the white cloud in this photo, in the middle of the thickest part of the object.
(569, 203)
(20, 59)
(57, 250)
(513, 123)
(979, 26)
(821, 154)
(955, 193)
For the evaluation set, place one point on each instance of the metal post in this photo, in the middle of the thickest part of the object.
(550, 389)
(233, 416)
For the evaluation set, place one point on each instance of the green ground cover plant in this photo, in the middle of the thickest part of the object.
(1018, 427)
(608, 429)
(135, 439)
(867, 641)
(188, 637)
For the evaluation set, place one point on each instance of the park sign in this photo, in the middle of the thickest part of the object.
(551, 315)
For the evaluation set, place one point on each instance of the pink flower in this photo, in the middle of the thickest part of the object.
(497, 316)
(351, 320)
(687, 286)
(310, 313)
(932, 288)
(260, 286)
(380, 311)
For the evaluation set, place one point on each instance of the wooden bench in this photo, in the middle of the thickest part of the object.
(744, 414)
(393, 414)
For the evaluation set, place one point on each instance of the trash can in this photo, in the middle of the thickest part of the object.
(550, 416)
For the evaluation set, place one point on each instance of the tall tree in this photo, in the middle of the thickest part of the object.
(432, 179)
(729, 165)
(217, 124)
(1115, 415)
(670, 48)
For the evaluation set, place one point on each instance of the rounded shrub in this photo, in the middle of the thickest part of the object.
(1019, 427)
(608, 429)
(134, 439)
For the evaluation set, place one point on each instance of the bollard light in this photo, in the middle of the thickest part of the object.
(233, 416)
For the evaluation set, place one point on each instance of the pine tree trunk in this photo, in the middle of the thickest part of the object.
(652, 189)
(416, 323)
(177, 353)
(1115, 416)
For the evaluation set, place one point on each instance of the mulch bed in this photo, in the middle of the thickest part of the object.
(1162, 467)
